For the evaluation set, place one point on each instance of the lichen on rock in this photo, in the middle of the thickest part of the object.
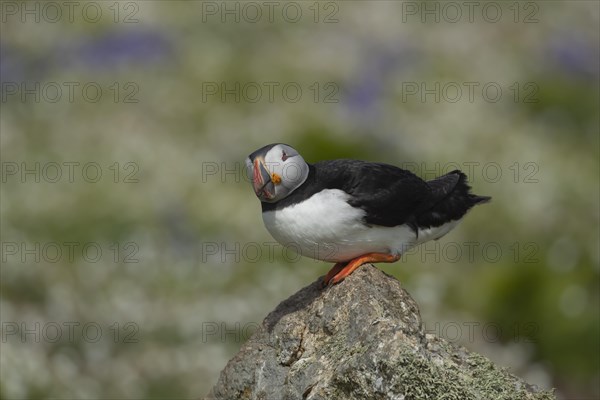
(361, 339)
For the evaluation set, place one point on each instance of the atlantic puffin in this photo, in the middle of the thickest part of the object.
(353, 212)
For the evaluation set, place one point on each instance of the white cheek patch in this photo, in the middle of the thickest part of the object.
(291, 174)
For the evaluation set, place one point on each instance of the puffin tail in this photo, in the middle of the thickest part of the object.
(451, 199)
(454, 186)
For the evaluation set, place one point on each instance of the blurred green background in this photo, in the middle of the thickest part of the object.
(134, 259)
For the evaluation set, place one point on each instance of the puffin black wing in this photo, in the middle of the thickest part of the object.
(389, 195)
(392, 196)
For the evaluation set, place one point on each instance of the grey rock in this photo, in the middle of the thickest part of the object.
(361, 339)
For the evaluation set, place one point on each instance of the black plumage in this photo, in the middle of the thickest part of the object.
(390, 196)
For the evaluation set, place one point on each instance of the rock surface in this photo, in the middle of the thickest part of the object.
(361, 339)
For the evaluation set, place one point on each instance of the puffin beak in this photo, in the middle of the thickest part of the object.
(263, 185)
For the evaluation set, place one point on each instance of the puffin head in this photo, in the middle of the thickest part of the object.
(276, 170)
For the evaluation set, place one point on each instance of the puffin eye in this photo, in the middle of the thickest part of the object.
(284, 156)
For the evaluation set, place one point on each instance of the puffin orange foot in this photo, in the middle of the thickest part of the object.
(341, 270)
(333, 272)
